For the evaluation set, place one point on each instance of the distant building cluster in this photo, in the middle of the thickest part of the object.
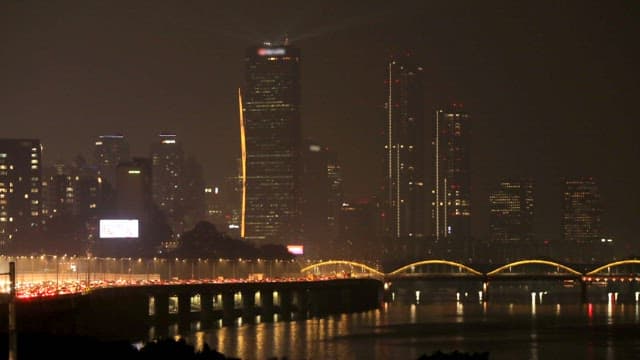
(292, 190)
(288, 190)
(43, 208)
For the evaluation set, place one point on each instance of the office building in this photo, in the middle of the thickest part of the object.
(167, 167)
(451, 205)
(271, 143)
(315, 204)
(133, 189)
(110, 150)
(582, 210)
(403, 201)
(20, 190)
(336, 198)
(511, 209)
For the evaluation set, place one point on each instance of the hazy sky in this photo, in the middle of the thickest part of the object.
(551, 86)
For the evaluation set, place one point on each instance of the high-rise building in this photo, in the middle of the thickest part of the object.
(581, 217)
(271, 136)
(404, 155)
(20, 189)
(357, 238)
(511, 207)
(315, 205)
(57, 191)
(336, 197)
(167, 164)
(215, 208)
(133, 188)
(110, 150)
(451, 205)
(194, 196)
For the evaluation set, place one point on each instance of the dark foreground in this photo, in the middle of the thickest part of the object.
(45, 346)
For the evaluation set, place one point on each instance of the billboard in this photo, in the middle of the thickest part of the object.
(295, 249)
(119, 228)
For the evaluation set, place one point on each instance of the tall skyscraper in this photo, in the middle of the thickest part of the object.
(110, 150)
(315, 204)
(404, 154)
(20, 189)
(336, 198)
(451, 206)
(511, 208)
(581, 217)
(167, 163)
(271, 134)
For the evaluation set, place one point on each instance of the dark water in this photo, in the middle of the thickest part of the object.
(405, 331)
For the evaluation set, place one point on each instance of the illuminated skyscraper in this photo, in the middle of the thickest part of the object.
(167, 162)
(451, 206)
(511, 207)
(110, 150)
(404, 154)
(581, 215)
(272, 134)
(20, 189)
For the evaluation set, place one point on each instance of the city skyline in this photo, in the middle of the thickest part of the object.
(543, 86)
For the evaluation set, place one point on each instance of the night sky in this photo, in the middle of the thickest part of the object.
(551, 86)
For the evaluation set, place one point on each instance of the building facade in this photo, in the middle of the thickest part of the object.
(451, 205)
(20, 190)
(582, 210)
(110, 150)
(511, 211)
(315, 205)
(271, 135)
(167, 164)
(403, 200)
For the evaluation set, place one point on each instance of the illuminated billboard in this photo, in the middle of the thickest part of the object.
(295, 249)
(119, 229)
(271, 51)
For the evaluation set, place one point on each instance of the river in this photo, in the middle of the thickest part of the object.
(406, 331)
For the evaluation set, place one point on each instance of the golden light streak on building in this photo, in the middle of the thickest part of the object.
(243, 151)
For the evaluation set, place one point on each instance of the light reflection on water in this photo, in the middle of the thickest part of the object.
(406, 331)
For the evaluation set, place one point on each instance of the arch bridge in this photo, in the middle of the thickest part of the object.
(529, 269)
(341, 268)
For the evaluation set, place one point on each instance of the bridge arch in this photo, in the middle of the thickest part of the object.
(533, 261)
(614, 264)
(342, 262)
(437, 262)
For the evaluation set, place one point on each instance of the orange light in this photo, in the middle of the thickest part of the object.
(243, 150)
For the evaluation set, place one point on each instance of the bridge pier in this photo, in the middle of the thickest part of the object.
(286, 301)
(248, 306)
(162, 309)
(184, 312)
(301, 302)
(228, 308)
(206, 309)
(584, 295)
(267, 308)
